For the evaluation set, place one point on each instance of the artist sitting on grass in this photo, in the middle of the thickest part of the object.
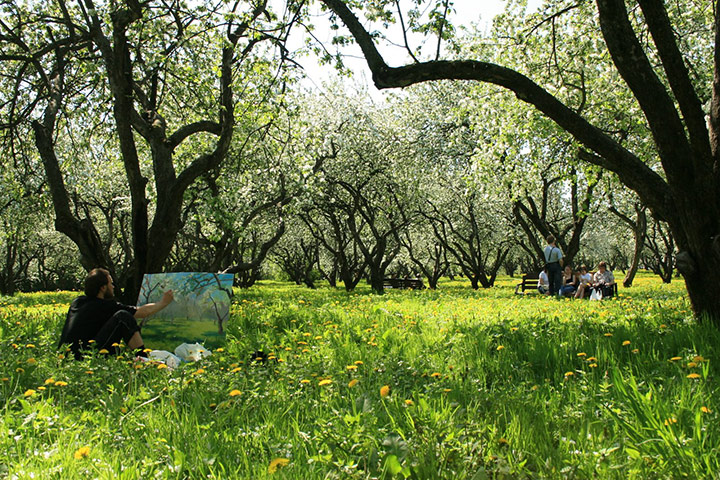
(96, 320)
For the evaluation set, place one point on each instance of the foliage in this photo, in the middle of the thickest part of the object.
(452, 383)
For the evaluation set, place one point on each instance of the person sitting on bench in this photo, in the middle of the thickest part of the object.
(604, 280)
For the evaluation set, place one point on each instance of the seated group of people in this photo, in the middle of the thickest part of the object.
(580, 283)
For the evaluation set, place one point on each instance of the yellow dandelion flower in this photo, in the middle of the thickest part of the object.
(593, 365)
(409, 402)
(20, 370)
(626, 342)
(41, 388)
(123, 410)
(670, 421)
(352, 382)
(447, 390)
(236, 369)
(220, 350)
(503, 442)
(663, 326)
(29, 392)
(82, 452)
(322, 383)
(608, 334)
(582, 354)
(276, 464)
(693, 376)
(31, 361)
(705, 409)
(359, 362)
(385, 391)
(115, 344)
(304, 381)
(351, 367)
(698, 359)
(691, 364)
(60, 383)
(675, 359)
(103, 351)
(500, 347)
(89, 372)
(29, 345)
(435, 374)
(569, 374)
(161, 366)
(591, 359)
(49, 381)
(235, 393)
(635, 350)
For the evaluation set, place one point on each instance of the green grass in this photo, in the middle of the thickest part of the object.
(482, 385)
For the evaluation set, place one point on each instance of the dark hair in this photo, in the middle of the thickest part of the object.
(602, 264)
(96, 278)
(550, 239)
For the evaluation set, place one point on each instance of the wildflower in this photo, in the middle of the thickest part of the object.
(29, 345)
(693, 376)
(161, 366)
(31, 361)
(409, 402)
(582, 354)
(608, 334)
(82, 452)
(675, 359)
(324, 382)
(49, 381)
(352, 382)
(351, 367)
(304, 381)
(123, 410)
(60, 383)
(705, 409)
(41, 388)
(103, 351)
(235, 393)
(569, 374)
(115, 344)
(500, 347)
(435, 375)
(447, 390)
(385, 391)
(670, 421)
(503, 442)
(626, 342)
(20, 370)
(691, 364)
(236, 369)
(29, 392)
(277, 463)
(635, 350)
(593, 365)
(698, 359)
(591, 359)
(358, 362)
(220, 350)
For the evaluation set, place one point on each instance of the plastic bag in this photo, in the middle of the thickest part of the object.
(596, 294)
(191, 352)
(172, 361)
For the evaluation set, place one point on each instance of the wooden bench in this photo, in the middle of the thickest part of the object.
(414, 283)
(528, 285)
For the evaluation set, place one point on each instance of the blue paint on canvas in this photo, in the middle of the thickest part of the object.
(198, 313)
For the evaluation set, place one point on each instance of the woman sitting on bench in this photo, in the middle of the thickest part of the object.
(603, 280)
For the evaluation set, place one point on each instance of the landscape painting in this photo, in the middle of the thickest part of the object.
(198, 313)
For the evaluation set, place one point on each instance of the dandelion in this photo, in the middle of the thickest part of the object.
(593, 365)
(305, 380)
(635, 350)
(503, 442)
(351, 367)
(675, 359)
(409, 402)
(60, 383)
(29, 393)
(352, 382)
(359, 362)
(31, 361)
(705, 409)
(277, 463)
(626, 343)
(123, 410)
(691, 364)
(385, 391)
(324, 382)
(569, 374)
(670, 421)
(115, 344)
(447, 390)
(435, 375)
(103, 351)
(29, 345)
(698, 359)
(220, 350)
(49, 381)
(500, 347)
(693, 376)
(81, 453)
(161, 366)
(20, 370)
(608, 334)
(236, 369)
(591, 359)
(235, 393)
(582, 354)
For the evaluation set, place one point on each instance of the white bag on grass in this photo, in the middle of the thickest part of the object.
(165, 357)
(191, 352)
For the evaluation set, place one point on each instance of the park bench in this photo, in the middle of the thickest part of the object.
(527, 285)
(414, 283)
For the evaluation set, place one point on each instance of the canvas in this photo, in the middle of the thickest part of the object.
(198, 314)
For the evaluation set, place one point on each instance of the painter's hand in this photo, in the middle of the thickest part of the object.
(167, 297)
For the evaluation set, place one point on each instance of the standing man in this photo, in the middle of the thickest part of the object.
(553, 261)
(96, 320)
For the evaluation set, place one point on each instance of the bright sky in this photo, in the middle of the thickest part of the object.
(467, 12)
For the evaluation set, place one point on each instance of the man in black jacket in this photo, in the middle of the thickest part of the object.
(96, 320)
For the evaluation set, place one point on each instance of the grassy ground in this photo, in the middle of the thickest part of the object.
(446, 384)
